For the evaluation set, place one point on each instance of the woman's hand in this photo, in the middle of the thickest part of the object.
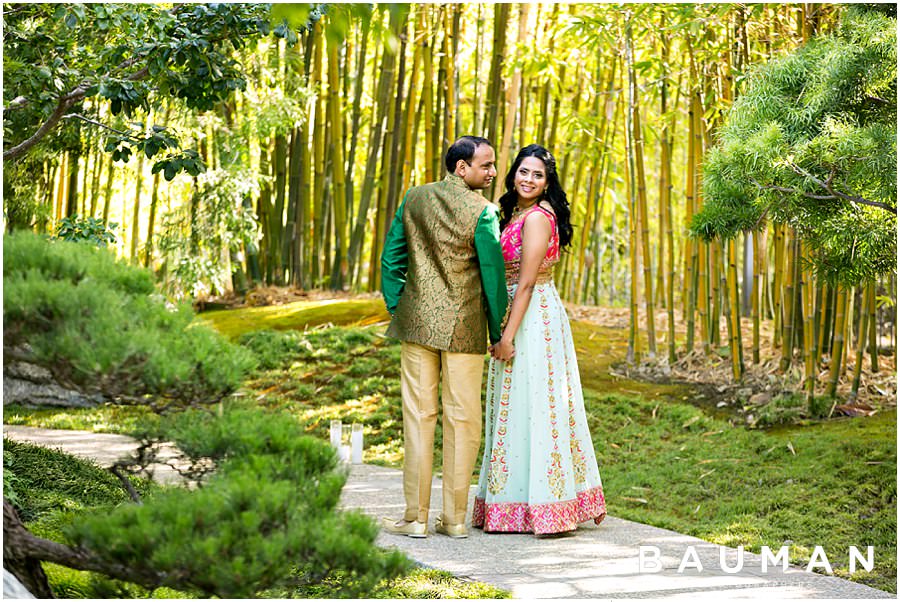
(504, 350)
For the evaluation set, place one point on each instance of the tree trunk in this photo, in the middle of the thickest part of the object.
(339, 271)
(277, 215)
(837, 348)
(136, 214)
(389, 156)
(492, 115)
(23, 553)
(645, 225)
(633, 353)
(107, 191)
(72, 188)
(778, 283)
(861, 340)
(154, 199)
(428, 97)
(358, 85)
(512, 99)
(319, 159)
(447, 62)
(787, 337)
(755, 292)
(872, 331)
(384, 85)
(410, 120)
(477, 128)
(737, 350)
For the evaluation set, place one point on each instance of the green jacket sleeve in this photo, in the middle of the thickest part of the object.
(493, 270)
(394, 262)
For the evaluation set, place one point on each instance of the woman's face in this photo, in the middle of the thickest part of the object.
(530, 179)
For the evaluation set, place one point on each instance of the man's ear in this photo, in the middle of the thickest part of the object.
(461, 161)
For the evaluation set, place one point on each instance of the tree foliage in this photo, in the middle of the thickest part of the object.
(263, 515)
(58, 55)
(265, 518)
(90, 229)
(812, 143)
(100, 326)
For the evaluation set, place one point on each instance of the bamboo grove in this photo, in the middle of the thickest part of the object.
(333, 127)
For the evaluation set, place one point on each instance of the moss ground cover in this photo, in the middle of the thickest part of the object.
(663, 460)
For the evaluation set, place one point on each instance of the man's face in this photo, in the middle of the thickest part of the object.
(480, 171)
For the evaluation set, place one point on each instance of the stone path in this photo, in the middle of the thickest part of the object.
(103, 448)
(595, 561)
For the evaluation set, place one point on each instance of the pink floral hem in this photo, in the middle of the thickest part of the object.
(540, 519)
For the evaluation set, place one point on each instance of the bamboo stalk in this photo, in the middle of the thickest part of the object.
(512, 99)
(809, 335)
(136, 213)
(754, 292)
(872, 331)
(861, 341)
(665, 195)
(633, 353)
(848, 326)
(412, 98)
(734, 303)
(591, 206)
(449, 77)
(339, 273)
(787, 348)
(645, 229)
(837, 348)
(428, 100)
(319, 158)
(690, 246)
(778, 283)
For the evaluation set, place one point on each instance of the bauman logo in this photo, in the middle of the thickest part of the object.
(650, 562)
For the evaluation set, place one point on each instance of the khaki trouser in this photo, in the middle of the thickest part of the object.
(461, 374)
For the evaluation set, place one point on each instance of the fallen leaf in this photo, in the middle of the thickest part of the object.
(791, 447)
(639, 500)
(690, 422)
(854, 409)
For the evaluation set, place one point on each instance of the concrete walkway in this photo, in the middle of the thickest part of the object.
(102, 448)
(595, 561)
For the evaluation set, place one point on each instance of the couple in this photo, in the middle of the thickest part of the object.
(448, 274)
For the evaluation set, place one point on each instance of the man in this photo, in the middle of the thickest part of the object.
(443, 283)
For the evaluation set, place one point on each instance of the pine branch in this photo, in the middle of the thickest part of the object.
(19, 544)
(834, 194)
(116, 469)
(837, 193)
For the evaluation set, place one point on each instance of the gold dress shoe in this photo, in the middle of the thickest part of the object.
(454, 531)
(405, 527)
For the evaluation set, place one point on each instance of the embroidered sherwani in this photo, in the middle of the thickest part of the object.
(443, 282)
(539, 473)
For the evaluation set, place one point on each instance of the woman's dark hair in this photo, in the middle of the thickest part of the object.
(554, 194)
(464, 149)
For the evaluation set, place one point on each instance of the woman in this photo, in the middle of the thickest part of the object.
(539, 473)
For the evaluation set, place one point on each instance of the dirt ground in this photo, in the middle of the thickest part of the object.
(709, 370)
(761, 382)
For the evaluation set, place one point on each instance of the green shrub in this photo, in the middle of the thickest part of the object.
(89, 229)
(100, 325)
(265, 517)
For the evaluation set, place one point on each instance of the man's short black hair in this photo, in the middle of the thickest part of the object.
(464, 149)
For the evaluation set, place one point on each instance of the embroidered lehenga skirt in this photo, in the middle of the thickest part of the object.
(539, 473)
